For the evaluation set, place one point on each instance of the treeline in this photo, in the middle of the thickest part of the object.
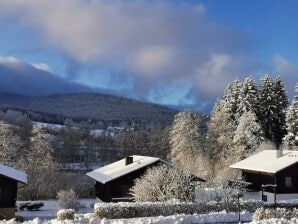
(79, 145)
(94, 110)
(246, 119)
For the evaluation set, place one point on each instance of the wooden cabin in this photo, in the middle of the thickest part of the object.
(272, 174)
(9, 179)
(114, 180)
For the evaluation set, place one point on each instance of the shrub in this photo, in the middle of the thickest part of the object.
(164, 183)
(279, 213)
(64, 214)
(146, 209)
(68, 200)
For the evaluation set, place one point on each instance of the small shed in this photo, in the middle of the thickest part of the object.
(114, 180)
(273, 174)
(9, 179)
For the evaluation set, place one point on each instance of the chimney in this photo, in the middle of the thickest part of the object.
(128, 160)
(279, 153)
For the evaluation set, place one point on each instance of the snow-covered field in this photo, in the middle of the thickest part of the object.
(51, 207)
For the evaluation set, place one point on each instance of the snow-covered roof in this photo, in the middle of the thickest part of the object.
(267, 161)
(118, 169)
(13, 174)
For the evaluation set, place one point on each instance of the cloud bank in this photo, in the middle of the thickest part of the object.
(155, 44)
(21, 78)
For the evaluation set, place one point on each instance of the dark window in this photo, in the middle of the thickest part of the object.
(288, 181)
(0, 193)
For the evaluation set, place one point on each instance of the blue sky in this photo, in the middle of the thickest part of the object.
(180, 53)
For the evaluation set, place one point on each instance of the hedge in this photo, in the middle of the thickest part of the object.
(278, 213)
(146, 209)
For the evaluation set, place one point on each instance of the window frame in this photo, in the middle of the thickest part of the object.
(289, 182)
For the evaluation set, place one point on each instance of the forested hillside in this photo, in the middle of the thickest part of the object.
(92, 107)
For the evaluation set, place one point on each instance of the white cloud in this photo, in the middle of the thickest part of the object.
(22, 78)
(154, 41)
(281, 66)
(8, 59)
(42, 66)
(151, 61)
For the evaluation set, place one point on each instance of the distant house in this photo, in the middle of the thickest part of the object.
(273, 175)
(9, 179)
(114, 180)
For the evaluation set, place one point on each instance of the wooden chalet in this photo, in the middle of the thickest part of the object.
(9, 179)
(114, 180)
(273, 175)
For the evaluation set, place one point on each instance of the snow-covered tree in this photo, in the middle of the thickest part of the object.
(281, 93)
(164, 183)
(281, 102)
(248, 136)
(187, 138)
(248, 97)
(232, 98)
(220, 134)
(10, 144)
(267, 113)
(292, 122)
(40, 167)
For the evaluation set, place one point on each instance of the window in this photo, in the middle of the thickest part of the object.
(288, 181)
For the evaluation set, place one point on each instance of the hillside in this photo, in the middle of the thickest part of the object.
(84, 106)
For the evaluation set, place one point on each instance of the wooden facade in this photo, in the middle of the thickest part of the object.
(8, 196)
(286, 180)
(118, 189)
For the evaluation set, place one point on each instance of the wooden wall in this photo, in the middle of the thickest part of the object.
(259, 178)
(8, 192)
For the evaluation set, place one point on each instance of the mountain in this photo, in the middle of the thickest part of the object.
(91, 107)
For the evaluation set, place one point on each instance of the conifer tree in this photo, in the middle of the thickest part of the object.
(267, 106)
(248, 97)
(232, 98)
(292, 122)
(281, 103)
(273, 102)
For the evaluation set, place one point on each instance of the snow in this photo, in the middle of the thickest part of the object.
(51, 207)
(215, 217)
(94, 132)
(276, 221)
(13, 173)
(97, 132)
(258, 162)
(80, 166)
(56, 127)
(118, 169)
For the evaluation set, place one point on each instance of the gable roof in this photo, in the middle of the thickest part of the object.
(266, 161)
(119, 169)
(13, 174)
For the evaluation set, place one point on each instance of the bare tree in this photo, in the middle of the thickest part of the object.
(187, 137)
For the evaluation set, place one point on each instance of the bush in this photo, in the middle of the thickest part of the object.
(164, 183)
(68, 200)
(146, 209)
(278, 213)
(64, 214)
